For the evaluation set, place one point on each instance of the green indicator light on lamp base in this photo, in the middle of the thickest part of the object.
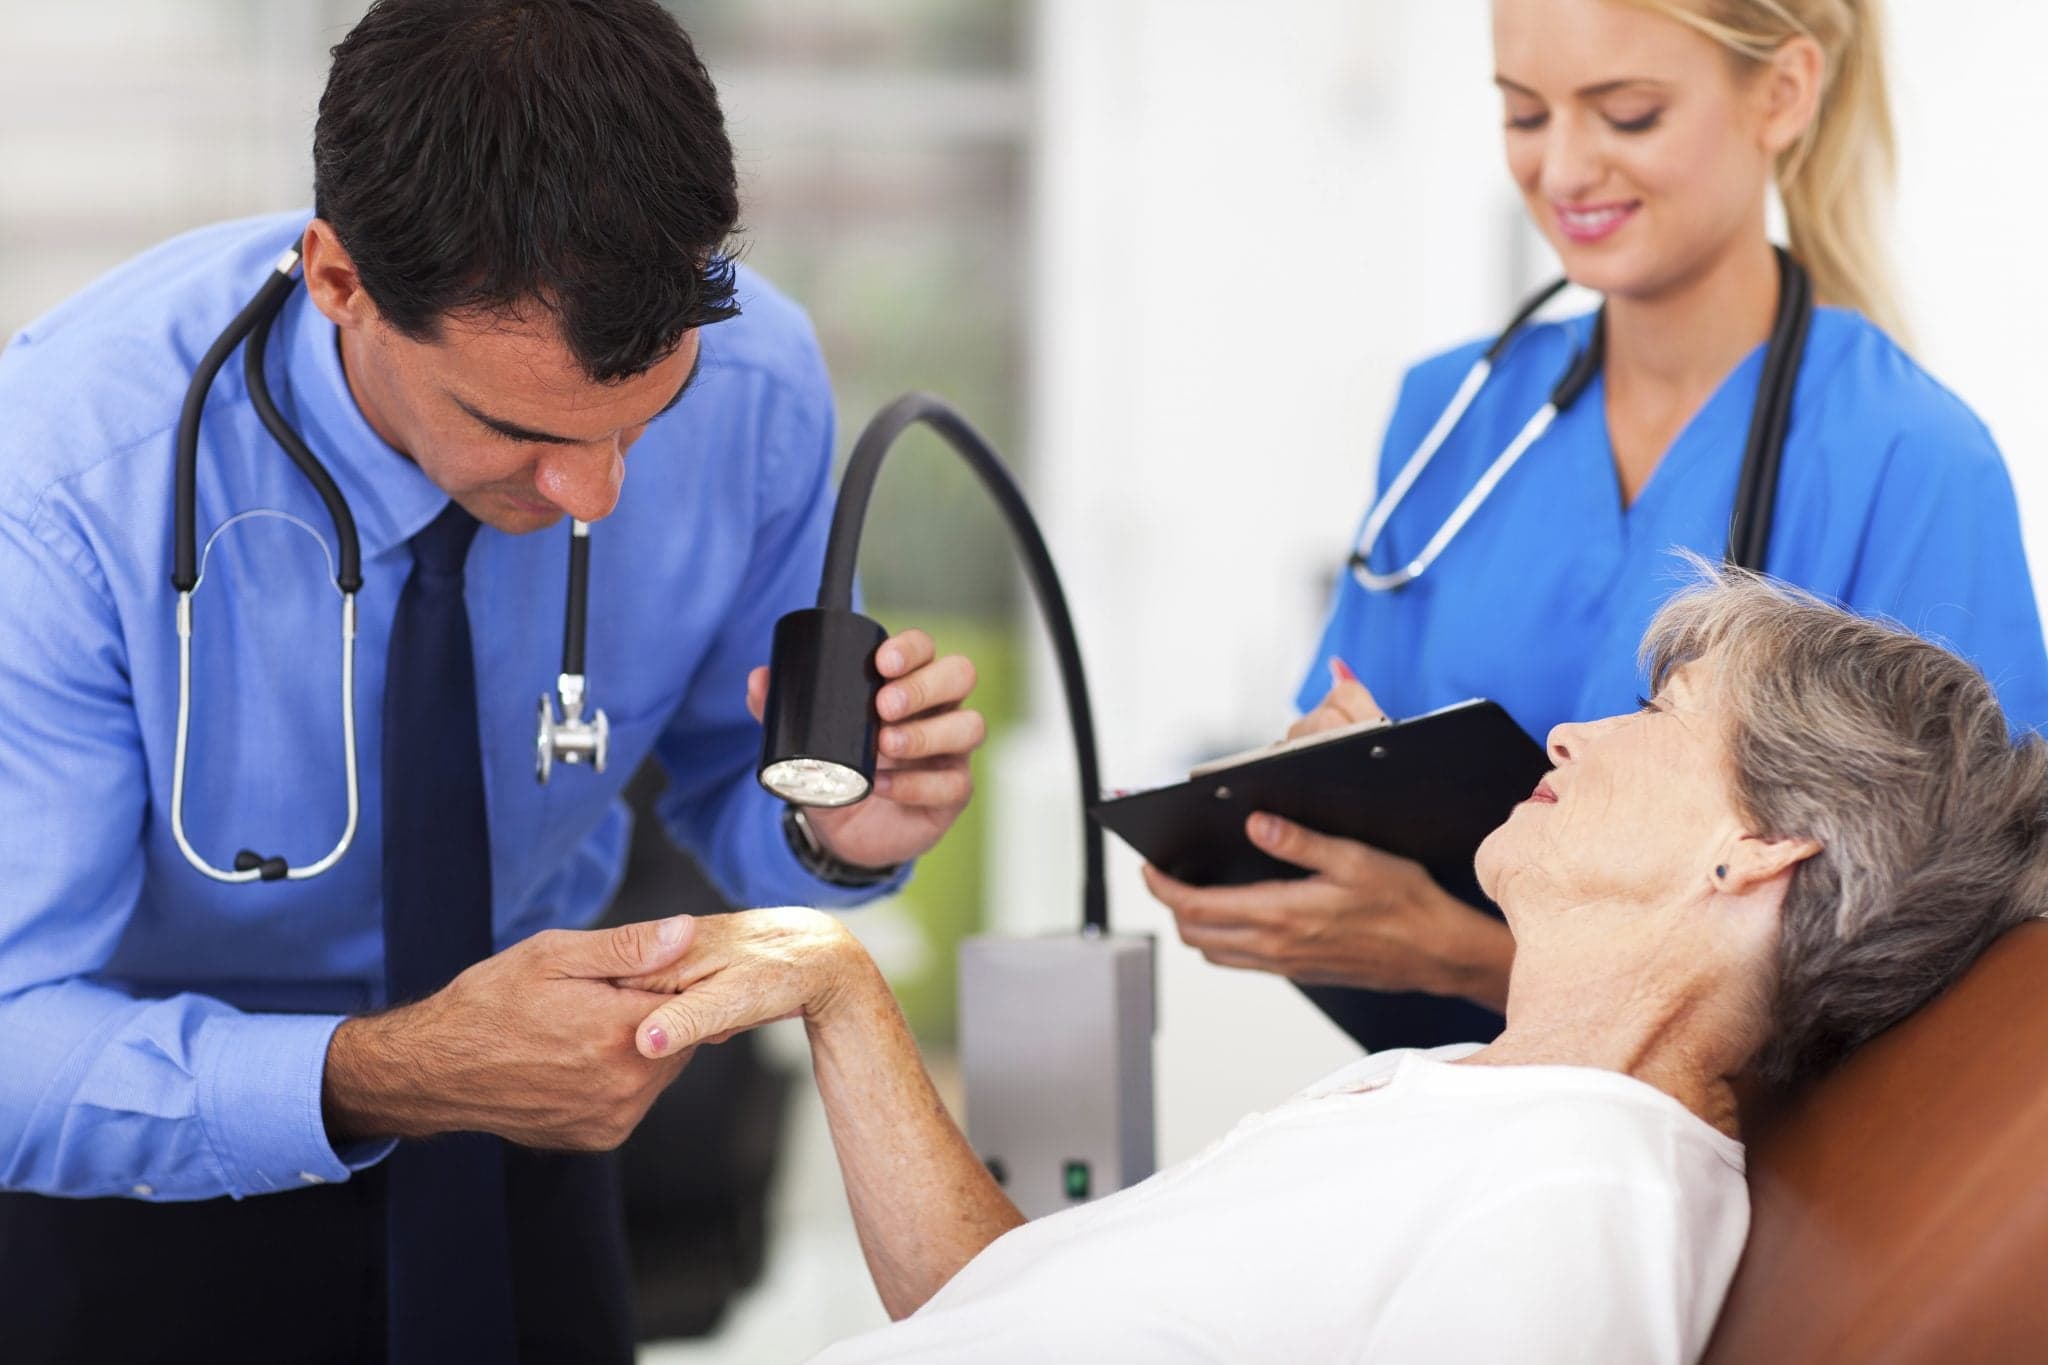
(1076, 1177)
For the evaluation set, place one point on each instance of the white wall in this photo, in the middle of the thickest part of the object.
(125, 121)
(1972, 214)
(1251, 214)
(1247, 215)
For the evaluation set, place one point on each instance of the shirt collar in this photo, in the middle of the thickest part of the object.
(391, 499)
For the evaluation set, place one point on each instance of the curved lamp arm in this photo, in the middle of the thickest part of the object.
(816, 637)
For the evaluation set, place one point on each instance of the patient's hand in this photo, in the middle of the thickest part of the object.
(922, 1200)
(748, 969)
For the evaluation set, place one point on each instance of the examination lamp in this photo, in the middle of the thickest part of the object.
(821, 726)
(1055, 1030)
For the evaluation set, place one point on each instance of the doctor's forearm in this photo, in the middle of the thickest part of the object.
(922, 1201)
(384, 1080)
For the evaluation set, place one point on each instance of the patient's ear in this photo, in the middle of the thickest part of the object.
(1756, 860)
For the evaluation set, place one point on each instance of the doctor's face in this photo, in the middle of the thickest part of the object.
(1641, 147)
(495, 410)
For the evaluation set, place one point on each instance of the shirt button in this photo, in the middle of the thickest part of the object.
(312, 1179)
(145, 1190)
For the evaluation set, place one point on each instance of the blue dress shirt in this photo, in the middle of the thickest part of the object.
(1892, 501)
(163, 1035)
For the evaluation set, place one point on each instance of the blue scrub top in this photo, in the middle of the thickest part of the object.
(1893, 501)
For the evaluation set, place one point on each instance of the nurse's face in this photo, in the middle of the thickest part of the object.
(495, 411)
(1641, 147)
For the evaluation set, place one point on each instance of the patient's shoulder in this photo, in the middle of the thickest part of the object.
(1377, 1068)
(1579, 1115)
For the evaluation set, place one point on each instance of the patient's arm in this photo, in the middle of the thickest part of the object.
(922, 1201)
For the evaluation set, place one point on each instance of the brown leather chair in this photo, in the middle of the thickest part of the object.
(1900, 1207)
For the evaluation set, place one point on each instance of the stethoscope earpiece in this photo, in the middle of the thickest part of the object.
(266, 869)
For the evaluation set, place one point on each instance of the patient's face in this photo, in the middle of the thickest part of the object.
(1637, 809)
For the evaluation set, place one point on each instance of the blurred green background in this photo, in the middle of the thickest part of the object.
(944, 898)
(883, 162)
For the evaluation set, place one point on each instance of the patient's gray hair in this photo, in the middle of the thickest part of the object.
(1894, 755)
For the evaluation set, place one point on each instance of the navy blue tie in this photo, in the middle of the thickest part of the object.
(449, 1290)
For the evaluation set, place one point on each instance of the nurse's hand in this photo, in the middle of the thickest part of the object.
(1347, 703)
(922, 779)
(1365, 918)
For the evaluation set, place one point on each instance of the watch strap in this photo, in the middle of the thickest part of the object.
(821, 862)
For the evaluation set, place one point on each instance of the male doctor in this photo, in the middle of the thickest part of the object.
(514, 276)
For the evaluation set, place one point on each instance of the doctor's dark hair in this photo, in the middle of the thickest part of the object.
(494, 155)
(1894, 756)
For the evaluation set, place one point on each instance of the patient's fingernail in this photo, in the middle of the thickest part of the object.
(670, 931)
(657, 1040)
(1265, 828)
(890, 659)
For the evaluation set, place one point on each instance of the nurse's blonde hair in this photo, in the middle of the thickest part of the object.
(1836, 179)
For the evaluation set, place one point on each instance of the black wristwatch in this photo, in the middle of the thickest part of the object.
(821, 862)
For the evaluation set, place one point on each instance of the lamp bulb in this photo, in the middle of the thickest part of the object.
(814, 782)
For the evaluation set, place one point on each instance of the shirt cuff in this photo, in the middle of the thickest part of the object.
(259, 1101)
(825, 895)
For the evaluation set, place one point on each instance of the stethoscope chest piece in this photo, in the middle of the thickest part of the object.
(569, 738)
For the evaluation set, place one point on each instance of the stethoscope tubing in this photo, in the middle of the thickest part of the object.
(252, 867)
(252, 325)
(573, 738)
(1749, 526)
(1383, 510)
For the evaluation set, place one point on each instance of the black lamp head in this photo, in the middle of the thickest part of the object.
(818, 748)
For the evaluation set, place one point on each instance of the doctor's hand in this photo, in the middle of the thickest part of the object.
(1364, 918)
(922, 779)
(534, 1044)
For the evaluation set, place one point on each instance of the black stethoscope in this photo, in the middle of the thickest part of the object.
(569, 738)
(1749, 530)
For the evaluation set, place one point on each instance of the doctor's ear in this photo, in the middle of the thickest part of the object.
(1789, 85)
(1755, 860)
(331, 279)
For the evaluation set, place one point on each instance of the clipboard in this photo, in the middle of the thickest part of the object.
(1430, 789)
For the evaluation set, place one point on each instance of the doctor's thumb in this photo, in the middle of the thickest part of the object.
(632, 949)
(670, 939)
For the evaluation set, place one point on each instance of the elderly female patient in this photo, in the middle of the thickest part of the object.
(1813, 825)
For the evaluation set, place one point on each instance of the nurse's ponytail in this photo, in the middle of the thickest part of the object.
(1835, 181)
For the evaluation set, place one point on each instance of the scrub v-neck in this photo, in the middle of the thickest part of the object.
(1693, 436)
